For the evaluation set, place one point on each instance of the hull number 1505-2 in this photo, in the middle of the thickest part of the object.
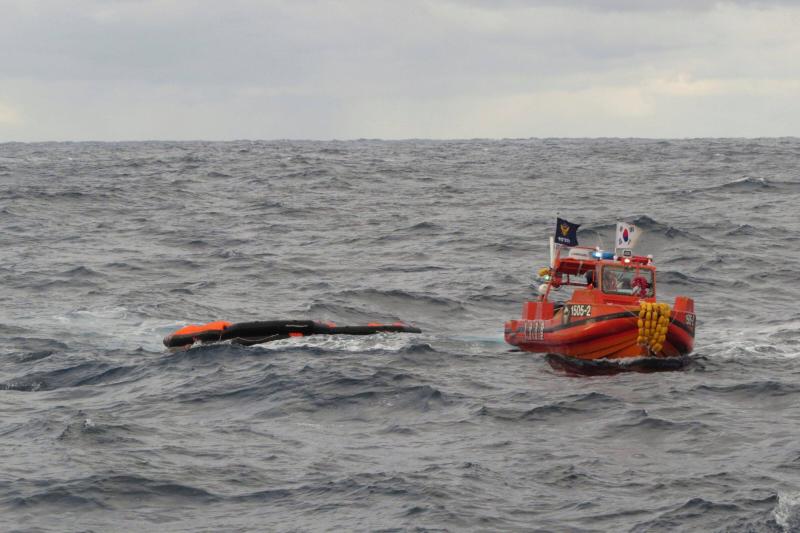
(577, 310)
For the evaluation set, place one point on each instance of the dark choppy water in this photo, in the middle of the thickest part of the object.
(107, 247)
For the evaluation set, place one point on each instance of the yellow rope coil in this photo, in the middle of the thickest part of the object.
(653, 324)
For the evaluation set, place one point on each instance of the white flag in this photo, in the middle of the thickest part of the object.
(627, 234)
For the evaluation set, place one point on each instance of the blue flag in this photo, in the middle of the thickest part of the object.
(566, 232)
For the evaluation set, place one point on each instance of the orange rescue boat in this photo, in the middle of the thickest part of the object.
(612, 319)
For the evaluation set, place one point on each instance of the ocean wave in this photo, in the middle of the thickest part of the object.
(83, 430)
(108, 247)
(384, 305)
(717, 515)
(647, 224)
(399, 297)
(419, 229)
(752, 389)
(643, 425)
(381, 396)
(588, 405)
(787, 511)
(23, 345)
(105, 491)
(233, 392)
(381, 343)
(413, 268)
(743, 230)
(749, 346)
(76, 375)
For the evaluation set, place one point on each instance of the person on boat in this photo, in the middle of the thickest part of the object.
(609, 280)
(590, 279)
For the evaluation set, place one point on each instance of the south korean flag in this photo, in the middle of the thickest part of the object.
(627, 234)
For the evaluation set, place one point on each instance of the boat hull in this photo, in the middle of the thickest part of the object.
(606, 367)
(593, 332)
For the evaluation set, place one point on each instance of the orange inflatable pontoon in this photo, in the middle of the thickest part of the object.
(249, 333)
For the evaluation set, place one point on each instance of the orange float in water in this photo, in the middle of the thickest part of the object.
(271, 330)
(194, 329)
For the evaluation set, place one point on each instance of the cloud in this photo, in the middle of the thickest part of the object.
(8, 115)
(423, 68)
(633, 5)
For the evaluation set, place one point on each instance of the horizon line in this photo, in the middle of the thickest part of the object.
(401, 139)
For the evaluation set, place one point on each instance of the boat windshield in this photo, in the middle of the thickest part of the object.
(628, 280)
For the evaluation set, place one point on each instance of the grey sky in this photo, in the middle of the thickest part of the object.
(191, 69)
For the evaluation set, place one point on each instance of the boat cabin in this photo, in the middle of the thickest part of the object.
(609, 278)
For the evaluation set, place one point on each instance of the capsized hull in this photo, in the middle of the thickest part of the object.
(249, 333)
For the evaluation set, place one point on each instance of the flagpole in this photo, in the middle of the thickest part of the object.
(553, 246)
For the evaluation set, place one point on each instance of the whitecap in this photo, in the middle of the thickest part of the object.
(390, 342)
(787, 511)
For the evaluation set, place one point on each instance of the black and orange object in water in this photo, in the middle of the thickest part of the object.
(258, 332)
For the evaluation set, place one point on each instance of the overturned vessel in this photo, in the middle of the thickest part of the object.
(257, 332)
(612, 318)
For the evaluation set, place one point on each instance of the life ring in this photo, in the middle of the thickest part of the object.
(639, 286)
